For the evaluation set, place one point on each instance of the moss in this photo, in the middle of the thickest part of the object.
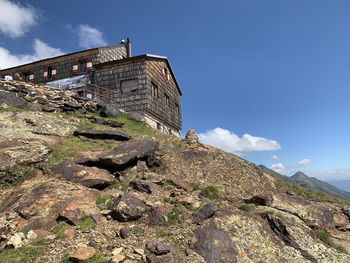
(138, 231)
(210, 192)
(124, 186)
(59, 230)
(16, 174)
(23, 254)
(247, 207)
(161, 232)
(88, 223)
(174, 215)
(103, 198)
(326, 238)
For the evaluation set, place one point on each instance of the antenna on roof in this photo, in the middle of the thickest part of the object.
(122, 41)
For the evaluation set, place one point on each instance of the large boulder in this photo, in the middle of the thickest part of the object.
(87, 176)
(124, 156)
(207, 211)
(103, 135)
(127, 208)
(214, 244)
(39, 203)
(160, 252)
(11, 99)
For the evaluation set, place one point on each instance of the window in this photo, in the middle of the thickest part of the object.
(166, 74)
(159, 126)
(82, 67)
(167, 100)
(177, 108)
(129, 86)
(49, 72)
(154, 90)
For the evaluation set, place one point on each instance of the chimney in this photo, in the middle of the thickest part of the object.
(128, 48)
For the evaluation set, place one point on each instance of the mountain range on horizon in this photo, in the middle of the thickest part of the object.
(312, 183)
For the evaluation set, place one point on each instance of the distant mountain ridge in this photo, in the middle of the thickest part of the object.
(318, 185)
(312, 183)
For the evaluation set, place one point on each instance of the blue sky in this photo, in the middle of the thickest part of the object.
(278, 71)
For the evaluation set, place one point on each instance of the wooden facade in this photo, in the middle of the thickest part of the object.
(143, 84)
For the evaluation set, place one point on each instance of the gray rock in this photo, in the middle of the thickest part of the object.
(127, 208)
(87, 176)
(103, 135)
(215, 244)
(126, 155)
(207, 211)
(191, 137)
(144, 186)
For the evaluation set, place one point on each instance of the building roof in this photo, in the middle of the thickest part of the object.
(60, 56)
(144, 56)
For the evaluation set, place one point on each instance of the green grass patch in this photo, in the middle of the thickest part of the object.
(161, 232)
(59, 230)
(326, 238)
(22, 254)
(16, 174)
(103, 198)
(174, 215)
(72, 146)
(88, 223)
(210, 192)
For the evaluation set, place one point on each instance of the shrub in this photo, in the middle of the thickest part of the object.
(16, 174)
(210, 192)
(326, 238)
(88, 223)
(59, 230)
(103, 198)
(174, 215)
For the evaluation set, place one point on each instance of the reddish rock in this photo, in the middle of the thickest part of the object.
(71, 214)
(83, 253)
(157, 216)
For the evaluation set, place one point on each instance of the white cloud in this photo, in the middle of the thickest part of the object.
(304, 161)
(90, 37)
(274, 157)
(230, 142)
(41, 50)
(16, 19)
(278, 167)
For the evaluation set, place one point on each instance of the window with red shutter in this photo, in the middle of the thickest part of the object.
(53, 72)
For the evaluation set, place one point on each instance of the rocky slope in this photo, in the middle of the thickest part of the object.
(78, 187)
